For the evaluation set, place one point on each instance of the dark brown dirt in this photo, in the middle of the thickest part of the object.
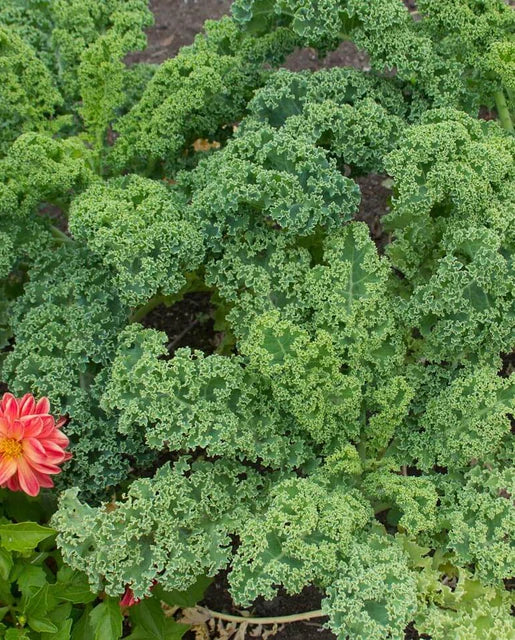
(217, 598)
(374, 204)
(188, 323)
(177, 22)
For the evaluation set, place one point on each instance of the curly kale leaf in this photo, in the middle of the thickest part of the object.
(356, 116)
(477, 512)
(192, 401)
(137, 229)
(66, 325)
(67, 319)
(349, 295)
(415, 500)
(195, 94)
(457, 417)
(38, 176)
(374, 595)
(170, 528)
(32, 21)
(465, 311)
(305, 377)
(263, 271)
(29, 99)
(450, 168)
(80, 45)
(39, 169)
(441, 52)
(268, 176)
(454, 604)
(466, 32)
(79, 26)
(472, 610)
(299, 538)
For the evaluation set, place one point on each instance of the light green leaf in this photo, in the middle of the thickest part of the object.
(36, 611)
(60, 616)
(72, 586)
(183, 599)
(17, 634)
(106, 619)
(6, 564)
(31, 577)
(63, 632)
(23, 536)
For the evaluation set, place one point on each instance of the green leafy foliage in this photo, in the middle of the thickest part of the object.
(356, 116)
(136, 227)
(29, 97)
(41, 598)
(349, 423)
(196, 94)
(375, 594)
(203, 508)
(442, 52)
(36, 601)
(294, 185)
(300, 538)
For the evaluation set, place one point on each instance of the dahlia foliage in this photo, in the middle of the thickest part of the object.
(32, 445)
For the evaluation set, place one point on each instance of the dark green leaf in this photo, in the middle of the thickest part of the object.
(83, 630)
(63, 632)
(31, 578)
(61, 617)
(17, 634)
(36, 611)
(150, 623)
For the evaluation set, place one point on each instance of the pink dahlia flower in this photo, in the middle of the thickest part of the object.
(32, 444)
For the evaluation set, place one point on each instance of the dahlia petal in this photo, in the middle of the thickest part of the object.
(13, 483)
(52, 451)
(28, 480)
(63, 421)
(44, 480)
(10, 407)
(8, 468)
(5, 399)
(4, 426)
(128, 599)
(34, 450)
(48, 430)
(44, 468)
(43, 406)
(27, 405)
(59, 439)
(16, 430)
(33, 426)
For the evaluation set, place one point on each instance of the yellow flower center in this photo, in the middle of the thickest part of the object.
(10, 447)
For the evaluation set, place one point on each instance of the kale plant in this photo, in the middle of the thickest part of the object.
(352, 429)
